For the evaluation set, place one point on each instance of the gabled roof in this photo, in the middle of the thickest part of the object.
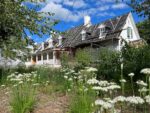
(73, 36)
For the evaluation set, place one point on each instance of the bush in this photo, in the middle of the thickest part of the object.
(83, 56)
(108, 64)
(136, 59)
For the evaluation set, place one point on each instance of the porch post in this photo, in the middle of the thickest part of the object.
(54, 57)
(36, 58)
(27, 59)
(47, 56)
(42, 58)
(31, 59)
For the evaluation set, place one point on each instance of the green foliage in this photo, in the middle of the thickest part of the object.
(83, 56)
(65, 59)
(109, 64)
(23, 91)
(54, 77)
(17, 18)
(136, 59)
(144, 30)
(141, 7)
(82, 103)
(23, 98)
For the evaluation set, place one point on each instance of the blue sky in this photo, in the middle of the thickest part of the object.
(71, 12)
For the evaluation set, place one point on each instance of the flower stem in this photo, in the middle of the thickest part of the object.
(132, 85)
(149, 85)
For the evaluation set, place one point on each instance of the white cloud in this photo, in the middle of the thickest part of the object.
(119, 6)
(75, 4)
(61, 12)
(81, 8)
(103, 8)
(106, 14)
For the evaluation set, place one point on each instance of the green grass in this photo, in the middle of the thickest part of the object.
(23, 98)
(82, 103)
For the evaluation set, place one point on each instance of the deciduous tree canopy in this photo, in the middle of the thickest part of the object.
(16, 18)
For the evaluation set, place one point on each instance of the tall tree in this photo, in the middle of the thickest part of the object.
(15, 19)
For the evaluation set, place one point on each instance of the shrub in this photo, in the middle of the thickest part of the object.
(136, 59)
(83, 56)
(109, 64)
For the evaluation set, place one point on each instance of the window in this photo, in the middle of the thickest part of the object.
(129, 33)
(102, 32)
(83, 33)
(44, 56)
(39, 57)
(50, 55)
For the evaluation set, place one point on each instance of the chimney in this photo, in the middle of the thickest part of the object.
(50, 42)
(60, 40)
(87, 21)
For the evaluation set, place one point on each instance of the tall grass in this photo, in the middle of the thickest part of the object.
(23, 91)
(82, 103)
(23, 98)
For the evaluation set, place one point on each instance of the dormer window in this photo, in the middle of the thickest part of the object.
(129, 33)
(102, 31)
(83, 33)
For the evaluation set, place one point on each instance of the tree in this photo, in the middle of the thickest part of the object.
(144, 30)
(15, 19)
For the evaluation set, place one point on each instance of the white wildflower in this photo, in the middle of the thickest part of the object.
(142, 83)
(100, 88)
(15, 85)
(103, 83)
(91, 69)
(36, 84)
(69, 90)
(113, 87)
(103, 104)
(92, 81)
(112, 83)
(70, 79)
(135, 100)
(20, 82)
(147, 99)
(143, 89)
(123, 81)
(131, 74)
(146, 71)
(119, 99)
(66, 77)
(3, 85)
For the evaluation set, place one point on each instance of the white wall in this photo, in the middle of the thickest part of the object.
(130, 23)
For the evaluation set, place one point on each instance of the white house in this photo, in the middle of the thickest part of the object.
(109, 33)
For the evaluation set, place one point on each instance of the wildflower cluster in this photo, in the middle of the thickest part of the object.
(69, 76)
(18, 79)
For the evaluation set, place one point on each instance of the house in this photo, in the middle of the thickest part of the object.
(109, 33)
